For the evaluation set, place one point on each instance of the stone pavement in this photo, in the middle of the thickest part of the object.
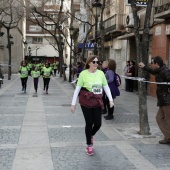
(41, 132)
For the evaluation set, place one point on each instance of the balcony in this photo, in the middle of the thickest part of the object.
(114, 25)
(163, 11)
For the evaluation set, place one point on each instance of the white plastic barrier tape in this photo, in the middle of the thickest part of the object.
(137, 79)
(144, 80)
(6, 65)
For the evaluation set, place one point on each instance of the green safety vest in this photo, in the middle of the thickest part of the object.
(35, 74)
(47, 72)
(24, 71)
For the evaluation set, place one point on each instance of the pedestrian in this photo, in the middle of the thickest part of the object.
(46, 73)
(131, 73)
(89, 87)
(125, 70)
(104, 69)
(79, 69)
(110, 76)
(24, 70)
(161, 72)
(35, 74)
(55, 64)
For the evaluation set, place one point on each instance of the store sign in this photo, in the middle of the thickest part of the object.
(158, 30)
(35, 28)
(168, 30)
(138, 2)
(87, 46)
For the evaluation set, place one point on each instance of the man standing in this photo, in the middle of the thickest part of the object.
(163, 95)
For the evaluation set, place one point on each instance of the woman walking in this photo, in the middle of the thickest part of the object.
(90, 85)
(23, 70)
(35, 74)
(110, 76)
(131, 73)
(46, 72)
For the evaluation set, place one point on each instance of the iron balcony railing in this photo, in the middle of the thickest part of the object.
(116, 22)
(162, 8)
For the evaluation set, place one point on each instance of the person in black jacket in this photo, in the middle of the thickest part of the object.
(163, 95)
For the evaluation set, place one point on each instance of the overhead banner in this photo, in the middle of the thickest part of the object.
(138, 2)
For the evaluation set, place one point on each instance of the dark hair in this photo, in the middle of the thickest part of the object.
(112, 65)
(23, 61)
(158, 60)
(78, 63)
(47, 64)
(132, 62)
(90, 59)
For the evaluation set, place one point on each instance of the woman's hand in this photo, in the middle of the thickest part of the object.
(111, 104)
(72, 108)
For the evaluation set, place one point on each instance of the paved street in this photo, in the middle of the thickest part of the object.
(40, 133)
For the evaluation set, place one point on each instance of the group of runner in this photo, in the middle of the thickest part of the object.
(36, 70)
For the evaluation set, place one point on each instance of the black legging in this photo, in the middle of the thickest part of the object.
(36, 84)
(93, 121)
(55, 70)
(46, 83)
(110, 110)
(24, 83)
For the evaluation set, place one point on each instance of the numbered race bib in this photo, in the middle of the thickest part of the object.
(36, 74)
(97, 89)
(47, 74)
(25, 72)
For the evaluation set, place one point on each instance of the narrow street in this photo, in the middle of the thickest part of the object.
(40, 132)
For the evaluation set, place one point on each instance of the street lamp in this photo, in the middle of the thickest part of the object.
(29, 50)
(71, 36)
(25, 49)
(37, 47)
(96, 5)
(10, 43)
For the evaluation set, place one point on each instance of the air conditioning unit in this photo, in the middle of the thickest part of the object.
(130, 20)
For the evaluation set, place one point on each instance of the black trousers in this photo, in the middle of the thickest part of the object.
(93, 121)
(55, 70)
(36, 84)
(24, 82)
(46, 83)
(110, 110)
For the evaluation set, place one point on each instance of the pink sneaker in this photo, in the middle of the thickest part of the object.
(89, 150)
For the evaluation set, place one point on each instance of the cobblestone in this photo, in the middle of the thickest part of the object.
(157, 154)
(6, 158)
(11, 120)
(65, 120)
(12, 110)
(73, 157)
(72, 134)
(9, 136)
(124, 118)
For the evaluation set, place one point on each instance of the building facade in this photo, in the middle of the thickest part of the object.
(41, 45)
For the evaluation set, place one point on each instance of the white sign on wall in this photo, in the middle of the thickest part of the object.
(167, 32)
(158, 30)
(35, 28)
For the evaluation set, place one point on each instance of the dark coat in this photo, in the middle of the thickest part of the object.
(163, 90)
(110, 76)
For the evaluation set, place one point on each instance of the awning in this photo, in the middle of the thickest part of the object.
(126, 36)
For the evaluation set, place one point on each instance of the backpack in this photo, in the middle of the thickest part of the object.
(117, 80)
